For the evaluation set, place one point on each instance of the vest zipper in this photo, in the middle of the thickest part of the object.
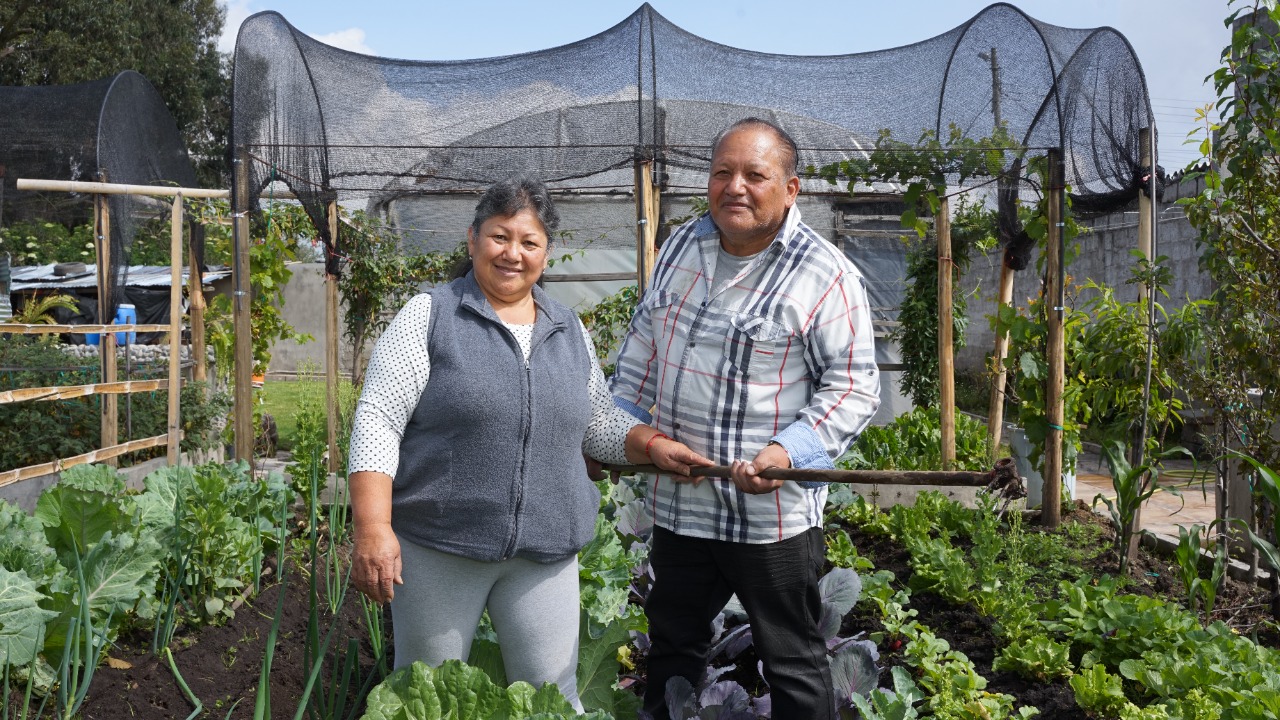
(524, 461)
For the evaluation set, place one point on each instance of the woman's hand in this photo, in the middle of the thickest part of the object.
(676, 458)
(375, 565)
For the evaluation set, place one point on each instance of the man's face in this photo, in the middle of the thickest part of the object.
(749, 189)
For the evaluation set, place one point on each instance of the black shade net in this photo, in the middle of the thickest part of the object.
(331, 123)
(116, 129)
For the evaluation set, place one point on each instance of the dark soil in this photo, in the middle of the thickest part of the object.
(1240, 604)
(221, 664)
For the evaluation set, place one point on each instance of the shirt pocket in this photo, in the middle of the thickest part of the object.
(663, 307)
(759, 344)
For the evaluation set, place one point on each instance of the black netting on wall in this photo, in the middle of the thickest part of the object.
(329, 122)
(116, 129)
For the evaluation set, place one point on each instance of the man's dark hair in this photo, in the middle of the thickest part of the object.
(791, 155)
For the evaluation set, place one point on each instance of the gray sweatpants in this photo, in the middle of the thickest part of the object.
(534, 608)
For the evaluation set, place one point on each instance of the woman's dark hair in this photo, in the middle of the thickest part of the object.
(508, 197)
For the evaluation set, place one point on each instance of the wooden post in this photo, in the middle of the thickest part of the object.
(195, 295)
(240, 297)
(175, 334)
(1051, 508)
(946, 357)
(1144, 210)
(995, 412)
(109, 425)
(331, 343)
(646, 223)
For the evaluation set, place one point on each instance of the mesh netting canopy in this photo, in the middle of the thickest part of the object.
(328, 122)
(116, 129)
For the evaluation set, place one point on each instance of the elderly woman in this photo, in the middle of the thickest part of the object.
(469, 489)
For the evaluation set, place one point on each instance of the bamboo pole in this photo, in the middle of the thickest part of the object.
(646, 223)
(1051, 508)
(104, 455)
(331, 342)
(995, 411)
(195, 295)
(946, 351)
(42, 329)
(107, 188)
(243, 371)
(64, 392)
(110, 409)
(175, 333)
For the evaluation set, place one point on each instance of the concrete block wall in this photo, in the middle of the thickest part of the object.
(1103, 257)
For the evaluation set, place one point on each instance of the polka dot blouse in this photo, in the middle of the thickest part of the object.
(397, 376)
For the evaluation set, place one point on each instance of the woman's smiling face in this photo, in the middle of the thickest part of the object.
(509, 254)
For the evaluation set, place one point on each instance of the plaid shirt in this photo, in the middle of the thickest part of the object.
(784, 353)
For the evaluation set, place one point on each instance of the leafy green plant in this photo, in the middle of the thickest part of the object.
(898, 704)
(972, 230)
(275, 238)
(379, 277)
(1237, 215)
(1036, 658)
(607, 322)
(913, 442)
(1187, 554)
(1099, 691)
(1133, 486)
(456, 690)
(43, 243)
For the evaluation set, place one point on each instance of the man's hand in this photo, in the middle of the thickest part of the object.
(746, 473)
(376, 563)
(676, 458)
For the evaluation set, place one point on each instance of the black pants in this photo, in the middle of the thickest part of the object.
(777, 584)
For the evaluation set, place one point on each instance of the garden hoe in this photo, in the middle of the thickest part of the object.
(1002, 480)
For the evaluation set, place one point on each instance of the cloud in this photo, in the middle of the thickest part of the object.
(350, 39)
(237, 11)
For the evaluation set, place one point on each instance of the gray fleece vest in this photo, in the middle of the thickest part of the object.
(491, 460)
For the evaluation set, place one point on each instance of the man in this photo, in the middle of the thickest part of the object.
(753, 346)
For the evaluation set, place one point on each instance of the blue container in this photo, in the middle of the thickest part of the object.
(126, 314)
(91, 338)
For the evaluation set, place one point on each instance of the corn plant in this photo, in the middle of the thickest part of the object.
(1188, 554)
(1133, 486)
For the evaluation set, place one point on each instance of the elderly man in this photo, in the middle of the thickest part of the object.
(753, 346)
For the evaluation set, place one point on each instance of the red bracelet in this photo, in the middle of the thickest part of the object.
(650, 443)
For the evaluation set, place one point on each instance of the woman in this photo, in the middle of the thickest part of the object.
(468, 485)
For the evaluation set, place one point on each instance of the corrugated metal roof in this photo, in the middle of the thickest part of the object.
(34, 277)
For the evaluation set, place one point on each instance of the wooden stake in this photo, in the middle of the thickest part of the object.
(109, 426)
(1051, 508)
(331, 343)
(646, 223)
(240, 296)
(995, 412)
(175, 334)
(195, 295)
(946, 352)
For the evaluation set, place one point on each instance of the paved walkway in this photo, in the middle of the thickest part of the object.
(1164, 512)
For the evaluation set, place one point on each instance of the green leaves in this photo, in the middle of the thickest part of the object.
(1036, 658)
(21, 619)
(459, 692)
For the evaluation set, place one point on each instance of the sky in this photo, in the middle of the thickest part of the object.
(1178, 42)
